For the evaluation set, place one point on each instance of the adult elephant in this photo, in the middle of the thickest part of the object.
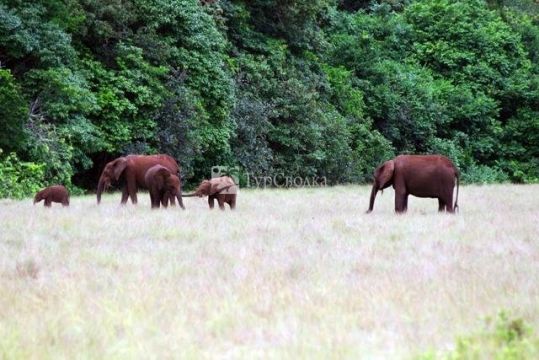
(429, 176)
(131, 170)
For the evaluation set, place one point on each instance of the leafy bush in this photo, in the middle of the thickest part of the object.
(306, 88)
(504, 337)
(19, 179)
(13, 112)
(482, 174)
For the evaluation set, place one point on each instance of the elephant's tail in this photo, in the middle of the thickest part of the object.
(456, 207)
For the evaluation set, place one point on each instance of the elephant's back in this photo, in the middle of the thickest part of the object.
(142, 163)
(57, 192)
(425, 160)
(150, 160)
(57, 189)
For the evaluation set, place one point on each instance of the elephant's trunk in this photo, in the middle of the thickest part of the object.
(180, 201)
(374, 191)
(456, 207)
(100, 189)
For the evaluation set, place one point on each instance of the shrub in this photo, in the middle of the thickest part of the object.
(504, 337)
(482, 174)
(19, 179)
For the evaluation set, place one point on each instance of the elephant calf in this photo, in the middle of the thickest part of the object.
(428, 176)
(55, 193)
(163, 186)
(222, 188)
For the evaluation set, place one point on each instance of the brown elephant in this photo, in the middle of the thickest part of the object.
(429, 176)
(222, 188)
(130, 171)
(162, 185)
(54, 193)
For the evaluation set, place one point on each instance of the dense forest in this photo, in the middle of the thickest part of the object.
(304, 88)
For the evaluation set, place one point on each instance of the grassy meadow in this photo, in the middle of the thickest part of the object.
(291, 273)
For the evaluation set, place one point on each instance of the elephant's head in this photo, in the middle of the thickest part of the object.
(38, 197)
(204, 189)
(111, 173)
(212, 187)
(383, 178)
(159, 178)
(171, 182)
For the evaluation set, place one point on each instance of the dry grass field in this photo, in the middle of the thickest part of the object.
(290, 274)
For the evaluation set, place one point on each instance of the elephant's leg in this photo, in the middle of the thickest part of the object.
(441, 205)
(400, 201)
(65, 202)
(211, 201)
(133, 195)
(125, 195)
(221, 201)
(448, 200)
(171, 199)
(164, 200)
(232, 202)
(180, 200)
(154, 199)
(132, 189)
(406, 203)
(48, 202)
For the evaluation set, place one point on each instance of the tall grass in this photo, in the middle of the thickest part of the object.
(291, 273)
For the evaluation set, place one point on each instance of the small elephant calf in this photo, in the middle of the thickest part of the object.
(54, 193)
(223, 189)
(163, 186)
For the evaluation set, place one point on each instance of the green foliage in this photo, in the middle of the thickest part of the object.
(251, 147)
(521, 147)
(504, 337)
(296, 130)
(13, 112)
(302, 88)
(48, 145)
(297, 22)
(482, 174)
(188, 40)
(127, 98)
(367, 145)
(445, 76)
(26, 36)
(62, 93)
(176, 124)
(19, 179)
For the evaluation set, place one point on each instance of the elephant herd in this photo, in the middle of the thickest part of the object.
(159, 174)
(428, 176)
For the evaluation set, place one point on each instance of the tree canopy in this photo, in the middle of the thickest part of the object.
(303, 88)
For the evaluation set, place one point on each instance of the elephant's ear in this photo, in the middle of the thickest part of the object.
(221, 184)
(386, 173)
(119, 167)
(215, 186)
(204, 188)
